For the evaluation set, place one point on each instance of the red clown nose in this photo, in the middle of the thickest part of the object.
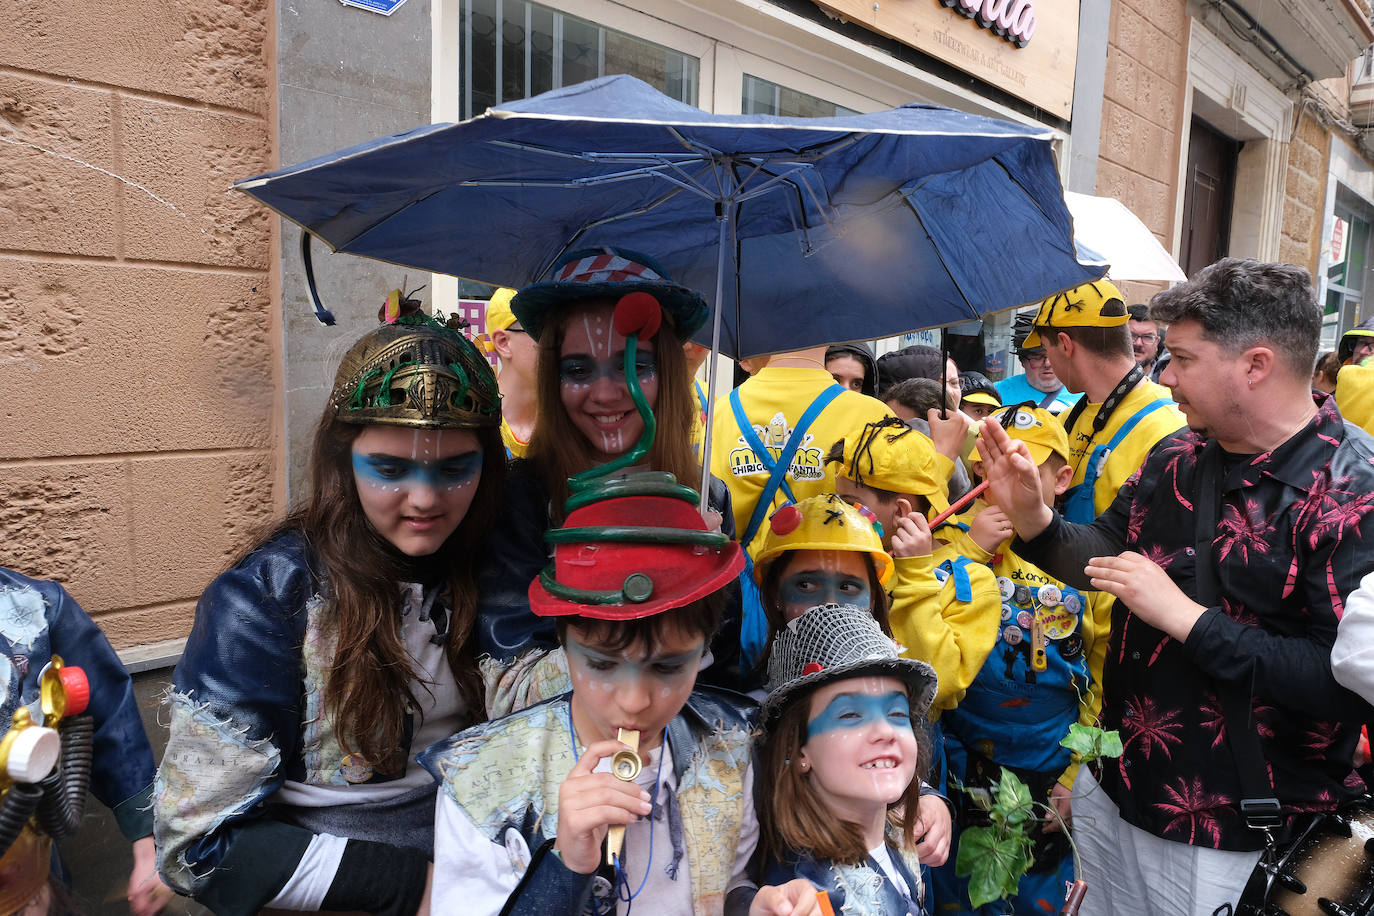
(637, 313)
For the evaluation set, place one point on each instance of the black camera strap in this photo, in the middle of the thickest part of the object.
(1258, 805)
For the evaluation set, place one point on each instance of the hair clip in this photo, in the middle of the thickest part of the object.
(872, 518)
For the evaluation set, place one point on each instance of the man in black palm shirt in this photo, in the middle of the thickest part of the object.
(1291, 487)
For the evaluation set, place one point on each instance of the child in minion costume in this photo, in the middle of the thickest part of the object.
(895, 472)
(1037, 676)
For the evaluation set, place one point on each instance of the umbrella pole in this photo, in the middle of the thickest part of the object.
(723, 220)
(944, 371)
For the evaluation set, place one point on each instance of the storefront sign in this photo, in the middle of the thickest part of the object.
(1013, 20)
(385, 7)
(1338, 237)
(1028, 48)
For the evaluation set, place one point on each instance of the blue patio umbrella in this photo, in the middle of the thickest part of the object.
(809, 230)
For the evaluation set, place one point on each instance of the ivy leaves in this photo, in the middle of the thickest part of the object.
(995, 857)
(1091, 743)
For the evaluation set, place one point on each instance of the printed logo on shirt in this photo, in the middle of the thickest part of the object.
(806, 463)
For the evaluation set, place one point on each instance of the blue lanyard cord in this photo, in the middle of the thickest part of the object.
(622, 883)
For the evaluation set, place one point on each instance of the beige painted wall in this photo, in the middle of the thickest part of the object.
(139, 347)
(1304, 197)
(1142, 115)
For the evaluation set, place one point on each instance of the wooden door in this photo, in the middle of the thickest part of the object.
(1207, 196)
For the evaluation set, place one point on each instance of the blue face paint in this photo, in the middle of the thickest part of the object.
(858, 710)
(585, 370)
(806, 588)
(612, 668)
(391, 472)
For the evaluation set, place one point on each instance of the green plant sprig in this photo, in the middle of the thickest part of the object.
(995, 858)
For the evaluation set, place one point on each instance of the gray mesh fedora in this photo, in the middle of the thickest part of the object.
(831, 642)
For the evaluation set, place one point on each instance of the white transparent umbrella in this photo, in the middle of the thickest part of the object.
(1105, 231)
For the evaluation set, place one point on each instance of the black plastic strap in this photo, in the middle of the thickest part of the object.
(323, 314)
(1258, 805)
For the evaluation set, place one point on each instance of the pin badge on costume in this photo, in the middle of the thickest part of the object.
(1012, 635)
(1058, 622)
(1006, 587)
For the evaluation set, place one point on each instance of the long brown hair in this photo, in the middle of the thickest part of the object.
(792, 819)
(368, 690)
(559, 448)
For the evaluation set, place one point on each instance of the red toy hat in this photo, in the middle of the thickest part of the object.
(650, 567)
(635, 545)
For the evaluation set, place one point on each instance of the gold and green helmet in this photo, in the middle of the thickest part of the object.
(416, 372)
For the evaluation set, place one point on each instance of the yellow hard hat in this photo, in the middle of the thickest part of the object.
(822, 523)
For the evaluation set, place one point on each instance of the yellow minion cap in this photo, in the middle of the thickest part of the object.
(499, 315)
(1355, 395)
(1080, 307)
(896, 458)
(1038, 428)
(981, 397)
(827, 523)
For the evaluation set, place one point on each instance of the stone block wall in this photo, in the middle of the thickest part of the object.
(1304, 194)
(139, 336)
(1142, 114)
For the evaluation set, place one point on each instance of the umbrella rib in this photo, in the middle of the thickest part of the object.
(619, 216)
(796, 211)
(972, 311)
(591, 156)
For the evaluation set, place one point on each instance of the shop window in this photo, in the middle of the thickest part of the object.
(512, 50)
(1348, 252)
(762, 96)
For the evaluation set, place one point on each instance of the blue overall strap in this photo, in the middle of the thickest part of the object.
(777, 472)
(1080, 501)
(701, 398)
(958, 569)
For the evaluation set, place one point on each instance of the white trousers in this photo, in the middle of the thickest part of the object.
(1134, 873)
